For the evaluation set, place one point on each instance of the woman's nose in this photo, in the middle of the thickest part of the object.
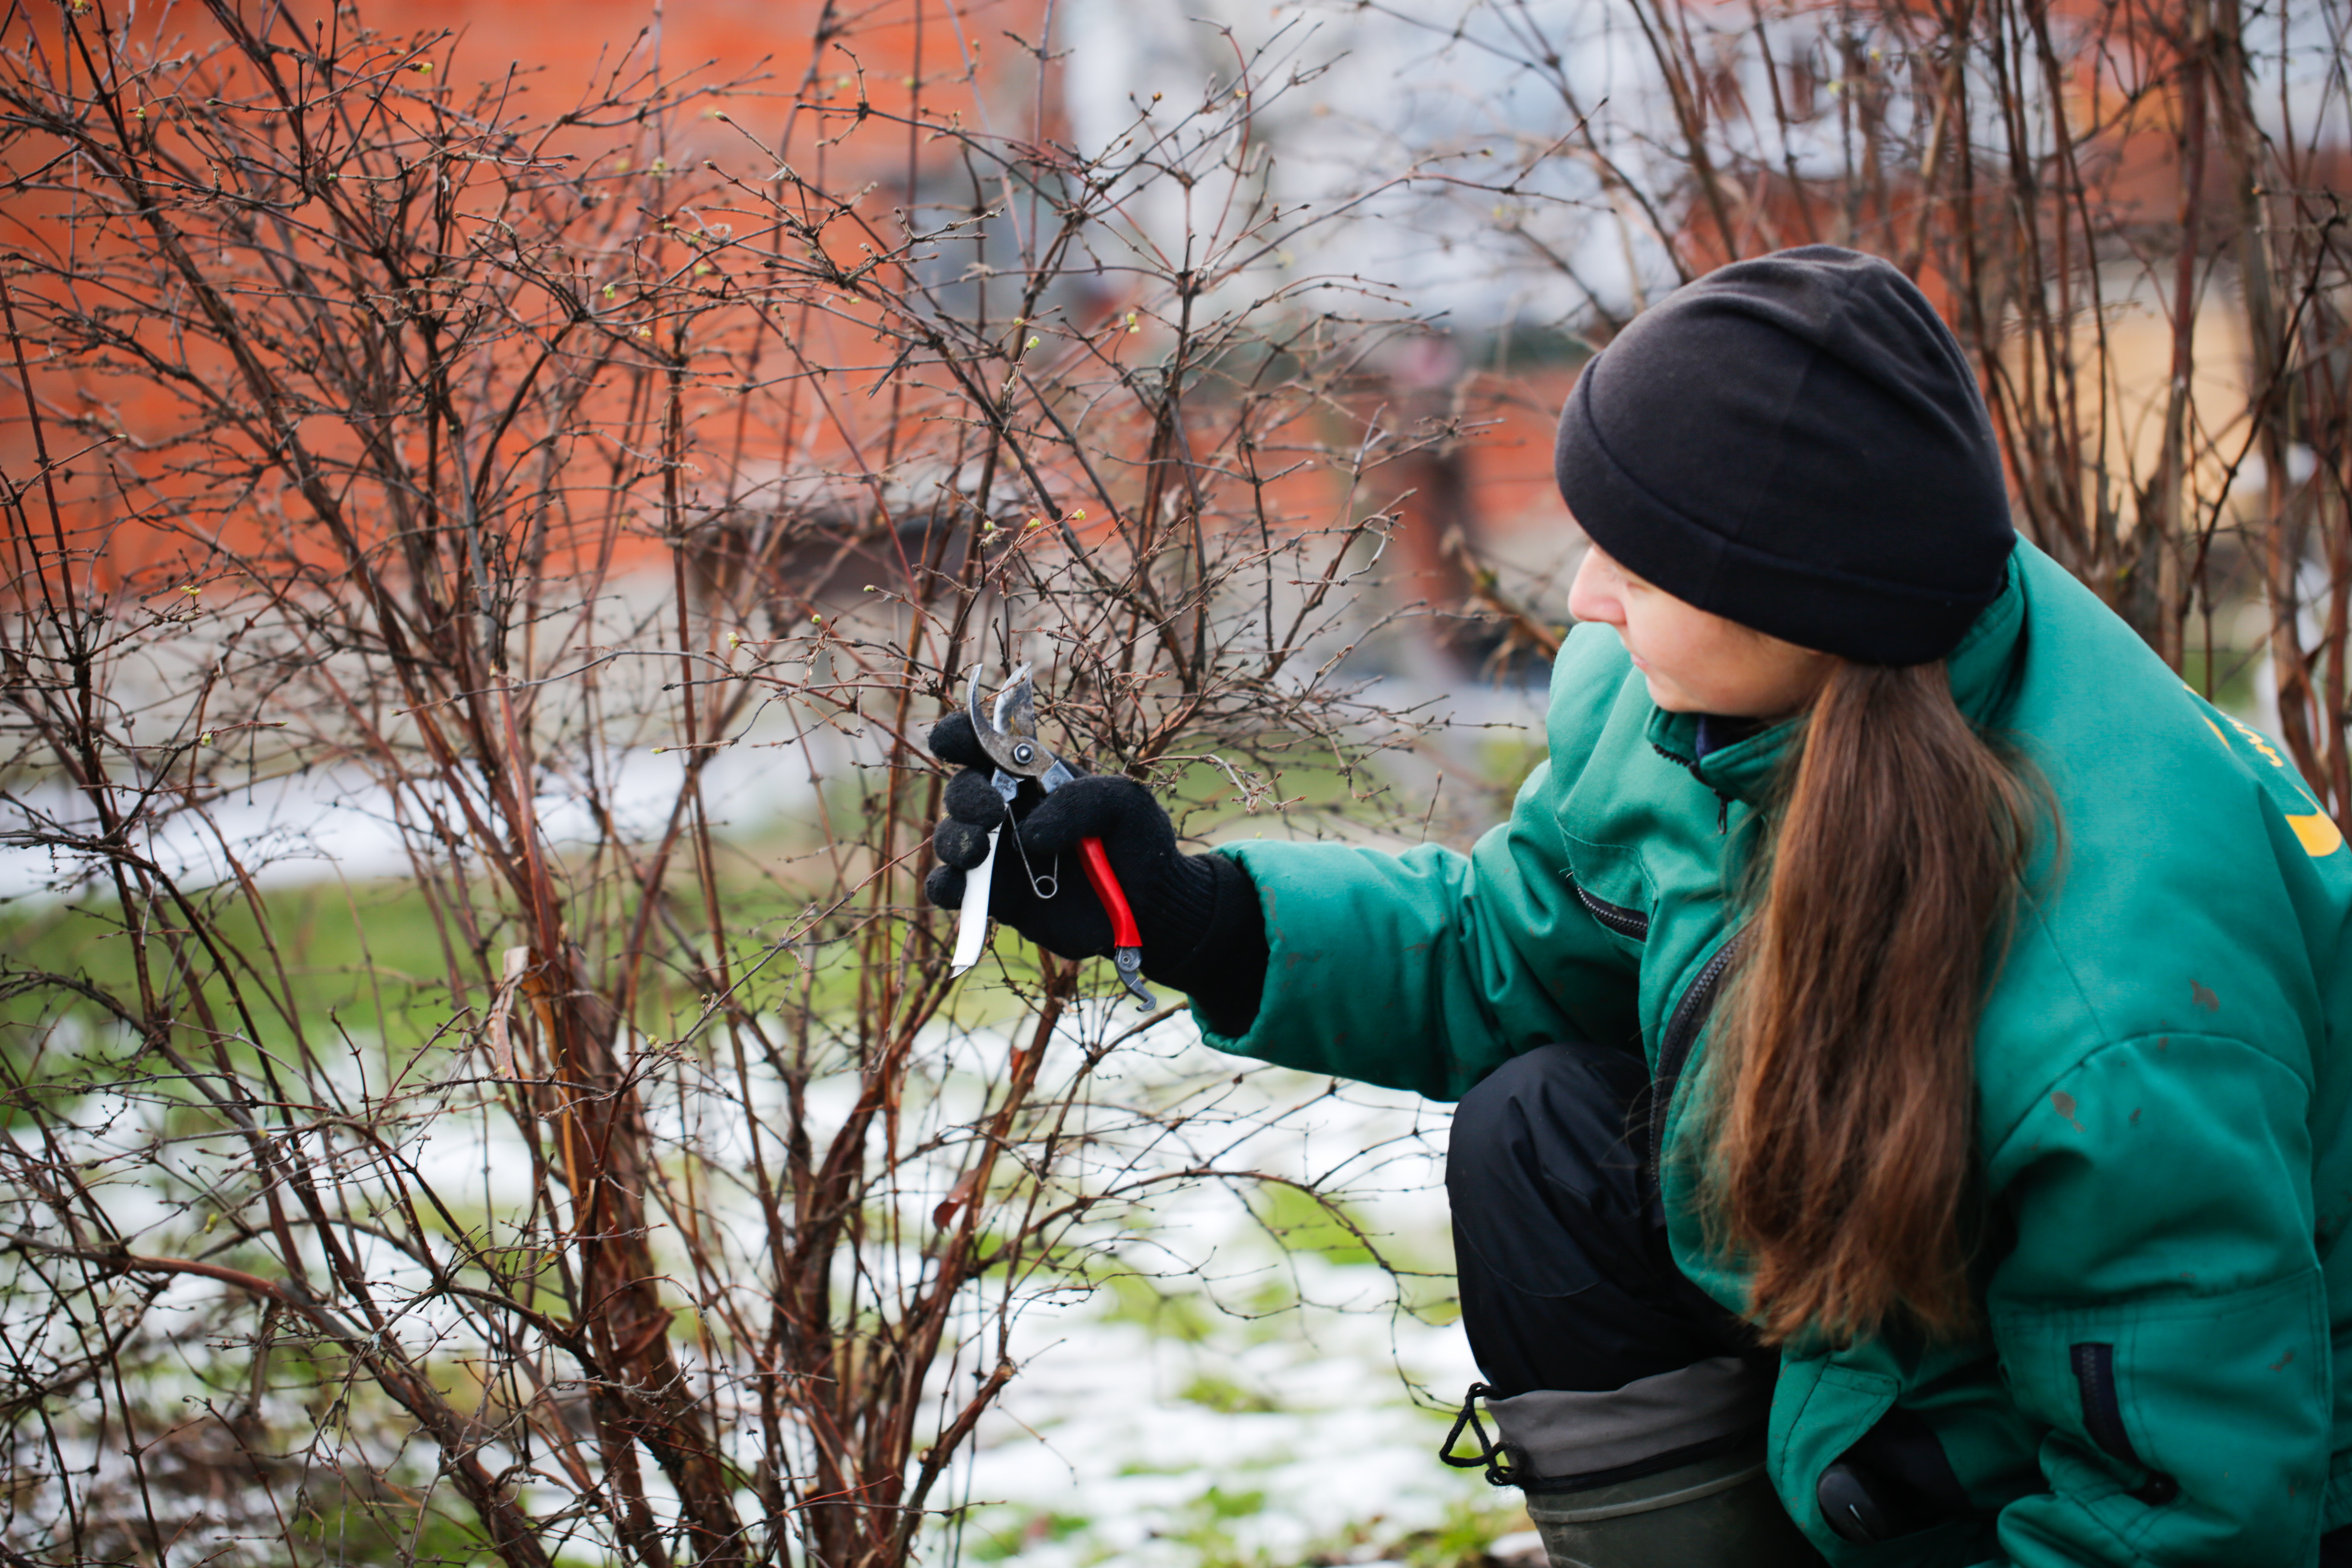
(1593, 596)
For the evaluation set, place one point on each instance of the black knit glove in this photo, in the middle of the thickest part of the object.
(1202, 931)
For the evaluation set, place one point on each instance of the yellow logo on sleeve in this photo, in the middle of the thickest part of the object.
(2314, 828)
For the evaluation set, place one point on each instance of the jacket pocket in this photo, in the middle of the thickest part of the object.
(1626, 922)
(2103, 1417)
(1609, 882)
(2191, 1428)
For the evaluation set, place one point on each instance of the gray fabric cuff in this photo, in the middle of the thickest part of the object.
(1566, 1433)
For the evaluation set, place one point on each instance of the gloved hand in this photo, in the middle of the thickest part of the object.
(1198, 915)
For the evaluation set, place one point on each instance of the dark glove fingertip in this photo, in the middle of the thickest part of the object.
(944, 888)
(959, 845)
(971, 797)
(953, 740)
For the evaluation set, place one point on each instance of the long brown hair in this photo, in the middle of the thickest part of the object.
(1844, 1079)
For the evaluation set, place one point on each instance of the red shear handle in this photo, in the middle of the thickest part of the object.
(1114, 897)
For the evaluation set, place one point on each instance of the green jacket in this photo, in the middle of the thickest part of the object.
(2166, 1153)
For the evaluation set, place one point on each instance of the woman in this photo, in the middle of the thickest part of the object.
(1899, 1032)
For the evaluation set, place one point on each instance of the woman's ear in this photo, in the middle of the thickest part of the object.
(1789, 678)
(1815, 674)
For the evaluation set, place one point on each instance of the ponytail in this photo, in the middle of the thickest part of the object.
(1842, 1093)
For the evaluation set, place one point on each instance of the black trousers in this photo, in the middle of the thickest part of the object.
(1565, 1277)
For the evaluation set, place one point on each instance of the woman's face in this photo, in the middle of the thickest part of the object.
(1696, 661)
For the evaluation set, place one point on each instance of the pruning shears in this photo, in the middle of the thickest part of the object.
(1008, 734)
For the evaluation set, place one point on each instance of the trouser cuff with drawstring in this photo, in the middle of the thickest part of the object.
(1602, 1361)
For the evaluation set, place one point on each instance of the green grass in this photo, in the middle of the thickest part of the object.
(1207, 1525)
(1210, 1526)
(377, 959)
(1302, 1223)
(1179, 1313)
(341, 949)
(1223, 1394)
(994, 1534)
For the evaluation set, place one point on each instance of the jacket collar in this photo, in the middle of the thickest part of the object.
(1981, 666)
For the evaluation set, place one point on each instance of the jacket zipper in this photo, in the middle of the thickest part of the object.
(1690, 767)
(1616, 917)
(2103, 1417)
(1690, 1015)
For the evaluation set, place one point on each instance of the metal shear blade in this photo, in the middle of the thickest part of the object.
(1009, 733)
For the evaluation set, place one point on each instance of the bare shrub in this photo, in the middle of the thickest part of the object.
(539, 494)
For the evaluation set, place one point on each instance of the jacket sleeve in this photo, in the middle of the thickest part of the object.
(2162, 1313)
(1424, 970)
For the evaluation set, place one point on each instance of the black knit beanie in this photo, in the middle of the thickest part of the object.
(1796, 443)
